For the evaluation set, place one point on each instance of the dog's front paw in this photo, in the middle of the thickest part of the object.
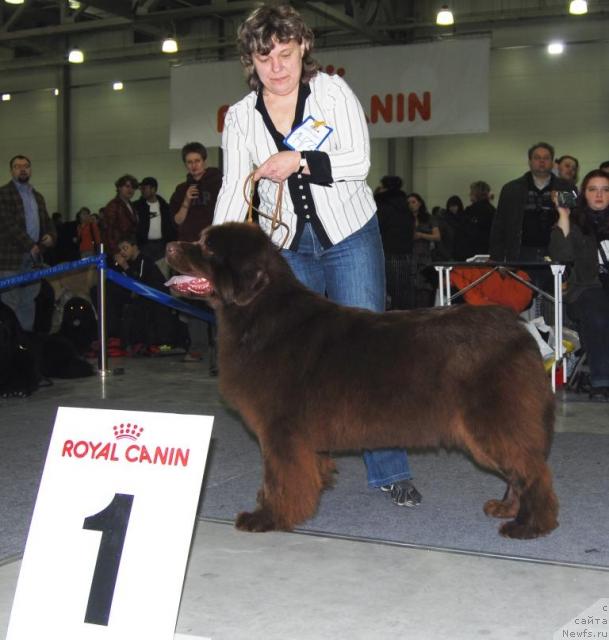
(259, 520)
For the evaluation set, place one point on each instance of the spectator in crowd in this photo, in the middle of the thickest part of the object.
(156, 226)
(89, 237)
(525, 217)
(120, 218)
(449, 221)
(192, 206)
(426, 236)
(25, 232)
(581, 237)
(396, 224)
(472, 237)
(525, 211)
(66, 246)
(331, 235)
(566, 167)
(147, 327)
(604, 166)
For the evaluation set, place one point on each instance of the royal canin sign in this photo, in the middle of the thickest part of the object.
(126, 447)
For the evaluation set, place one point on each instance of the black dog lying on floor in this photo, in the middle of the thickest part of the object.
(310, 377)
(28, 359)
(19, 372)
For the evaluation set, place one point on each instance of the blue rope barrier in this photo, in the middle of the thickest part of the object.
(120, 279)
(37, 274)
(158, 296)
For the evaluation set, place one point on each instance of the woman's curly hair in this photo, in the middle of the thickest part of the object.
(264, 27)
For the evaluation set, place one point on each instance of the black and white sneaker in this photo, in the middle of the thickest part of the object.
(403, 493)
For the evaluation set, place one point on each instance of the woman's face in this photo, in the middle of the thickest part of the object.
(280, 70)
(413, 204)
(454, 208)
(597, 193)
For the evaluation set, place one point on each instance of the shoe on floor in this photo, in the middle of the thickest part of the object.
(403, 493)
(193, 356)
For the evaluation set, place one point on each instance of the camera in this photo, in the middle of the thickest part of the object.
(190, 181)
(566, 199)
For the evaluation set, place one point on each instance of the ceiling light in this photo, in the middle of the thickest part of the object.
(6, 97)
(169, 46)
(14, 1)
(118, 86)
(445, 16)
(74, 5)
(556, 48)
(76, 56)
(55, 92)
(578, 7)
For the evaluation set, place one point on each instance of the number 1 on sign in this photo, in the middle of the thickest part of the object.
(112, 522)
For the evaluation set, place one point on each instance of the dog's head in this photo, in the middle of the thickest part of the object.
(231, 264)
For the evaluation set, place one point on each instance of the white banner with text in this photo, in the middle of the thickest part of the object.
(426, 89)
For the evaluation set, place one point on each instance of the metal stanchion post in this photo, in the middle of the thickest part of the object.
(102, 356)
(440, 271)
(447, 285)
(557, 271)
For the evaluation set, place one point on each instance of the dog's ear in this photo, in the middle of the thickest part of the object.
(242, 288)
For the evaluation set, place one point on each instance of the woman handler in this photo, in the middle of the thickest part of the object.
(306, 129)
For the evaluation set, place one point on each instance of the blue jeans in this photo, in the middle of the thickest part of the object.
(351, 273)
(22, 299)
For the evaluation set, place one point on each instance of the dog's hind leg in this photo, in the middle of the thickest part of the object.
(538, 511)
(505, 508)
(291, 487)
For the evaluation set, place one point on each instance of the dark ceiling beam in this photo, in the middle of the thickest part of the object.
(202, 12)
(119, 8)
(66, 29)
(344, 21)
(15, 17)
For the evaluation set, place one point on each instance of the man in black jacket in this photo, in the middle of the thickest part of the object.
(155, 225)
(525, 211)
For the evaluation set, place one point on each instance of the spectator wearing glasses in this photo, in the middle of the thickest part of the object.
(525, 211)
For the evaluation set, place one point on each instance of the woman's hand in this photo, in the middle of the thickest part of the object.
(279, 167)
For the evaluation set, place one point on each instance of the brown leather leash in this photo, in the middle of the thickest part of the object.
(249, 188)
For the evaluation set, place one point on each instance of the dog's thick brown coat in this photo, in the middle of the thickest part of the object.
(310, 377)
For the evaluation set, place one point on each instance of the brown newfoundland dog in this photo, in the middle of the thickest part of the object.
(310, 377)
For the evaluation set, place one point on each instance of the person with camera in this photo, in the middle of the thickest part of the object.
(525, 217)
(525, 211)
(581, 238)
(192, 206)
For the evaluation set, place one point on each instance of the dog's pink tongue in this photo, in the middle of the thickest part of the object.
(190, 284)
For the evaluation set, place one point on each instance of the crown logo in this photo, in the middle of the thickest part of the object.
(127, 431)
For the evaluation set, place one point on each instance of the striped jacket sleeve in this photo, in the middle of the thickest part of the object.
(231, 206)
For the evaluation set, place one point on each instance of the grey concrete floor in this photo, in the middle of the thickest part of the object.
(301, 587)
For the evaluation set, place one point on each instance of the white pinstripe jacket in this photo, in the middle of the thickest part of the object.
(343, 206)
